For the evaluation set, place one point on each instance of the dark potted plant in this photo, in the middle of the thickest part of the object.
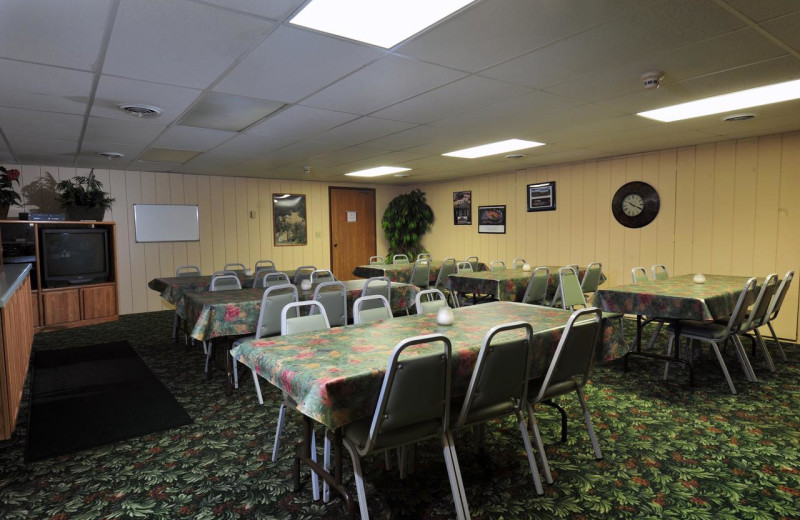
(406, 219)
(83, 197)
(8, 197)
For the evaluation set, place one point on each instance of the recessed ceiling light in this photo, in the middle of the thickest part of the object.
(739, 117)
(401, 175)
(111, 155)
(753, 97)
(483, 150)
(378, 171)
(515, 156)
(143, 111)
(384, 23)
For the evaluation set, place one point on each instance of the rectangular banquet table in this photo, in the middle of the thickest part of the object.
(400, 272)
(173, 288)
(335, 375)
(233, 313)
(506, 285)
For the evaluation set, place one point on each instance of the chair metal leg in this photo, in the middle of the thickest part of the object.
(277, 445)
(778, 343)
(258, 387)
(326, 461)
(767, 355)
(725, 368)
(175, 327)
(587, 418)
(744, 360)
(539, 445)
(654, 337)
(314, 476)
(526, 440)
(669, 353)
(358, 474)
(401, 462)
(454, 474)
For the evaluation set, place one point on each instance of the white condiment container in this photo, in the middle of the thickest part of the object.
(699, 278)
(445, 316)
(305, 285)
(526, 267)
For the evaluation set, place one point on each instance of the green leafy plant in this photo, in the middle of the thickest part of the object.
(83, 191)
(9, 197)
(405, 220)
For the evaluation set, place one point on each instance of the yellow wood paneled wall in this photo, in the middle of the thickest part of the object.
(227, 233)
(726, 208)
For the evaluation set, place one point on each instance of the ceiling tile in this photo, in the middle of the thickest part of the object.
(41, 124)
(315, 61)
(362, 129)
(191, 138)
(53, 32)
(179, 42)
(300, 122)
(385, 82)
(52, 89)
(786, 29)
(250, 145)
(415, 136)
(42, 150)
(348, 155)
(761, 11)
(210, 164)
(274, 9)
(112, 91)
(133, 131)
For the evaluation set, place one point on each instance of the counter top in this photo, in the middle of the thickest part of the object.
(10, 279)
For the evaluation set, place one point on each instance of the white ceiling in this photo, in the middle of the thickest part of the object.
(563, 72)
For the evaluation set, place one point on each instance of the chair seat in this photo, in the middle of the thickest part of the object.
(357, 432)
(479, 415)
(555, 389)
(242, 340)
(613, 315)
(701, 329)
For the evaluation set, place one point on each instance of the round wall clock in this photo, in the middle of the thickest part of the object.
(635, 204)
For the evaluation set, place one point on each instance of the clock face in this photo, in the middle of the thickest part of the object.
(635, 204)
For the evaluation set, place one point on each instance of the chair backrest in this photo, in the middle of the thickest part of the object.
(497, 265)
(219, 273)
(322, 275)
(430, 300)
(273, 301)
(376, 260)
(659, 271)
(307, 323)
(225, 282)
(591, 277)
(187, 270)
(377, 285)
(265, 265)
(333, 296)
(261, 274)
(303, 273)
(421, 273)
(758, 311)
(473, 260)
(517, 263)
(536, 292)
(638, 275)
(573, 357)
(739, 314)
(499, 383)
(464, 267)
(400, 259)
(414, 402)
(378, 309)
(234, 267)
(780, 294)
(570, 289)
(576, 268)
(447, 268)
(271, 279)
(424, 256)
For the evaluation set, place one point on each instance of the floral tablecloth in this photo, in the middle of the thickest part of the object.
(399, 272)
(507, 285)
(233, 313)
(174, 288)
(677, 297)
(335, 375)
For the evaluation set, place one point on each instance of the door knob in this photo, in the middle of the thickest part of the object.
(335, 244)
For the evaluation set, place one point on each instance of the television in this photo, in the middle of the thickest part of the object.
(73, 256)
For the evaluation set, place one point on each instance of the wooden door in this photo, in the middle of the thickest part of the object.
(352, 229)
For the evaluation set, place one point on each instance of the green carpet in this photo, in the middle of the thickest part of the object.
(670, 451)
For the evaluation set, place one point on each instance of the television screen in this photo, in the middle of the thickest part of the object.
(74, 256)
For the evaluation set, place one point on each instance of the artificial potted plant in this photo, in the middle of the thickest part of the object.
(83, 197)
(406, 219)
(8, 197)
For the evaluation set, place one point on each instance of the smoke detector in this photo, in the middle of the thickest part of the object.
(111, 156)
(306, 169)
(142, 111)
(652, 79)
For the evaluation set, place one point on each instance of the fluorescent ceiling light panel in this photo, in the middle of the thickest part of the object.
(378, 171)
(220, 111)
(753, 97)
(384, 23)
(493, 148)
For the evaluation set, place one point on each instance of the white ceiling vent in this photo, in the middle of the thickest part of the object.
(111, 155)
(143, 111)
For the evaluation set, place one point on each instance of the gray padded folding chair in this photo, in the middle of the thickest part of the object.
(400, 258)
(536, 291)
(775, 307)
(572, 297)
(442, 283)
(376, 285)
(371, 308)
(757, 317)
(568, 372)
(322, 275)
(414, 405)
(497, 265)
(424, 256)
(187, 270)
(591, 278)
(376, 260)
(333, 296)
(473, 260)
(225, 282)
(430, 300)
(303, 273)
(271, 279)
(421, 274)
(269, 265)
(464, 267)
(260, 274)
(517, 263)
(659, 271)
(234, 267)
(499, 384)
(638, 275)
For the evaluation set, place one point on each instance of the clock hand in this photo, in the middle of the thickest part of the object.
(635, 206)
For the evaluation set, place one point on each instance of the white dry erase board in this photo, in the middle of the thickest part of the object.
(166, 223)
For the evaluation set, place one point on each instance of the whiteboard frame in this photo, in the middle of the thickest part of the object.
(137, 218)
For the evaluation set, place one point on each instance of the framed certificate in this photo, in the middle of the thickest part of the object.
(542, 196)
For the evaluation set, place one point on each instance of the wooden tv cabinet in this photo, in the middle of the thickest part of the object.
(56, 308)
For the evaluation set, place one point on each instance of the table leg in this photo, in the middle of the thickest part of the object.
(210, 360)
(230, 366)
(676, 356)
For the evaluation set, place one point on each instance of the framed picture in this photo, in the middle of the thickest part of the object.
(289, 219)
(462, 208)
(542, 196)
(491, 219)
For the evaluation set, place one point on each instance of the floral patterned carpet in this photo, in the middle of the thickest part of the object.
(670, 451)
